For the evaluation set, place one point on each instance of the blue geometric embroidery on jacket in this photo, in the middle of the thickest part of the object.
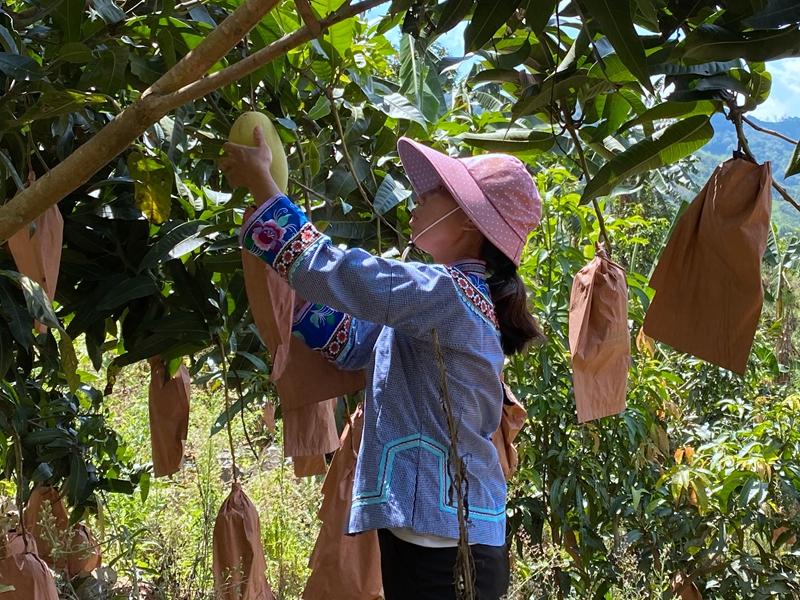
(423, 442)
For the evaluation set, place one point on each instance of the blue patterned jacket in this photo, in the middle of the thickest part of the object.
(378, 314)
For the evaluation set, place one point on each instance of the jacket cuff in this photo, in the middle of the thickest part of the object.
(279, 233)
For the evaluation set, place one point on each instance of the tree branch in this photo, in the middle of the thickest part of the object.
(202, 87)
(218, 43)
(158, 100)
(777, 134)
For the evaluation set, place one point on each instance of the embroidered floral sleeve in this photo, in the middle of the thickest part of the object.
(340, 338)
(411, 297)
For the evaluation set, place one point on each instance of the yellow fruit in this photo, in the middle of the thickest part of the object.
(242, 133)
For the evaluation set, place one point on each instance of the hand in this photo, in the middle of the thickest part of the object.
(248, 166)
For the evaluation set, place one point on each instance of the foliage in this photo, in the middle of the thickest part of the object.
(605, 100)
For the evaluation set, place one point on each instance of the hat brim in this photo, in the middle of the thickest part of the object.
(424, 166)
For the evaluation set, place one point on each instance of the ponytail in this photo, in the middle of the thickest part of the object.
(518, 327)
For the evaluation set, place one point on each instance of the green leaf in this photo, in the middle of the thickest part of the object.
(19, 321)
(172, 243)
(705, 69)
(127, 290)
(515, 140)
(673, 110)
(451, 14)
(55, 102)
(8, 167)
(235, 409)
(321, 109)
(614, 19)
(554, 88)
(389, 194)
(675, 142)
(794, 163)
(76, 53)
(538, 13)
(487, 18)
(153, 186)
(398, 106)
(69, 361)
(21, 68)
(68, 17)
(711, 42)
(39, 305)
(776, 14)
(7, 41)
(109, 11)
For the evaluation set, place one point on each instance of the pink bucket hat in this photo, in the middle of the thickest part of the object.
(495, 190)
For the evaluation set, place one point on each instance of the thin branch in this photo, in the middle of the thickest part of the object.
(121, 131)
(570, 125)
(735, 115)
(234, 469)
(786, 195)
(216, 45)
(201, 87)
(777, 134)
(307, 189)
(351, 166)
(304, 10)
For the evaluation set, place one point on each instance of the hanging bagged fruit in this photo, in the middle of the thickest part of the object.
(344, 567)
(238, 563)
(511, 422)
(76, 551)
(169, 416)
(708, 280)
(17, 543)
(599, 339)
(36, 249)
(304, 379)
(308, 434)
(28, 576)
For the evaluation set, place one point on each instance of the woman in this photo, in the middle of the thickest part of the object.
(472, 216)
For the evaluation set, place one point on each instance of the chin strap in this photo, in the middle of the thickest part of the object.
(412, 243)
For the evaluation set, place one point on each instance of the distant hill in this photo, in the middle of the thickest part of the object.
(764, 147)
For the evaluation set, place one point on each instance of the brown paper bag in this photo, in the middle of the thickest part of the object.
(78, 551)
(239, 564)
(29, 576)
(511, 422)
(169, 416)
(344, 567)
(307, 466)
(301, 375)
(708, 279)
(16, 543)
(599, 339)
(310, 430)
(36, 249)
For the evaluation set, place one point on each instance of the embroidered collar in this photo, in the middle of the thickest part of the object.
(470, 266)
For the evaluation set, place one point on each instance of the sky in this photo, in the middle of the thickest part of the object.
(783, 101)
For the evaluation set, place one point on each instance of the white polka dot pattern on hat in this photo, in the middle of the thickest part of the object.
(495, 190)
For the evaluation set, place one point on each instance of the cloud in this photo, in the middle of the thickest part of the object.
(782, 101)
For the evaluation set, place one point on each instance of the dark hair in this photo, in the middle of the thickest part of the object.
(518, 327)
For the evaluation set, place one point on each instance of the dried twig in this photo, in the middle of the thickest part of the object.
(464, 570)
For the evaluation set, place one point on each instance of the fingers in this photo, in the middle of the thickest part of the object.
(258, 136)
